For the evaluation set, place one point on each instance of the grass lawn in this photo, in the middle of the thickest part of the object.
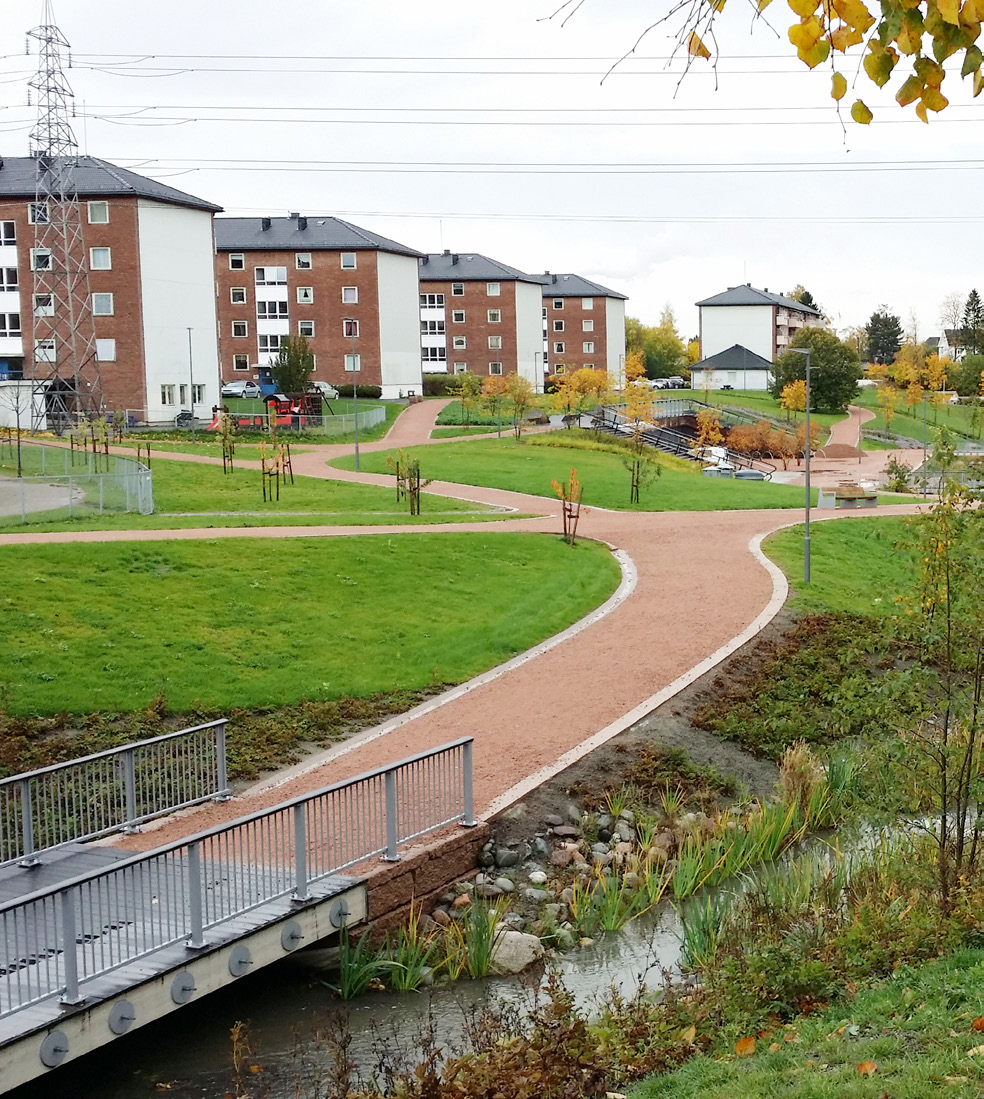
(909, 422)
(526, 467)
(191, 494)
(457, 432)
(912, 1037)
(256, 623)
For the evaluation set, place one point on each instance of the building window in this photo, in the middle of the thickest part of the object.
(305, 295)
(350, 295)
(270, 344)
(106, 351)
(457, 316)
(431, 301)
(353, 363)
(99, 215)
(8, 278)
(459, 343)
(183, 395)
(305, 328)
(432, 328)
(237, 295)
(544, 314)
(558, 303)
(100, 259)
(349, 262)
(44, 305)
(240, 362)
(302, 261)
(167, 394)
(560, 368)
(198, 394)
(558, 349)
(271, 276)
(558, 326)
(10, 324)
(102, 305)
(495, 343)
(587, 303)
(240, 328)
(271, 311)
(40, 259)
(350, 327)
(587, 326)
(44, 351)
(237, 261)
(461, 368)
(37, 213)
(589, 366)
(493, 289)
(588, 347)
(8, 232)
(495, 316)
(457, 290)
(434, 354)
(495, 368)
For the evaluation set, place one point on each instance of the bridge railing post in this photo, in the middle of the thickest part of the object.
(196, 928)
(222, 792)
(70, 958)
(129, 791)
(27, 825)
(468, 814)
(300, 854)
(389, 788)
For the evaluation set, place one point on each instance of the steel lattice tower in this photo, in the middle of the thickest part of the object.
(64, 369)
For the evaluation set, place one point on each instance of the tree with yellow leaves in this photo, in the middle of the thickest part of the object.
(709, 431)
(888, 401)
(793, 397)
(494, 388)
(640, 412)
(574, 392)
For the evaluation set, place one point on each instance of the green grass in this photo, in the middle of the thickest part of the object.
(190, 494)
(760, 403)
(457, 432)
(524, 467)
(916, 1028)
(235, 623)
(854, 564)
(909, 422)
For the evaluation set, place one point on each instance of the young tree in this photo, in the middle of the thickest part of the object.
(888, 401)
(709, 431)
(574, 392)
(935, 373)
(293, 366)
(884, 333)
(793, 398)
(973, 324)
(834, 373)
(913, 396)
(640, 411)
(521, 396)
(693, 351)
(494, 388)
(857, 339)
(782, 445)
(469, 390)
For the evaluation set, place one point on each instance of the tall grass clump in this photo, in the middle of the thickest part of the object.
(359, 965)
(470, 941)
(413, 953)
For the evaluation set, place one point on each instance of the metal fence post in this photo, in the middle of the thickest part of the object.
(300, 854)
(129, 791)
(389, 783)
(27, 826)
(69, 942)
(196, 937)
(468, 816)
(222, 793)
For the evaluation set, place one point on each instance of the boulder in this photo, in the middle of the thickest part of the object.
(505, 884)
(538, 878)
(504, 857)
(514, 951)
(440, 917)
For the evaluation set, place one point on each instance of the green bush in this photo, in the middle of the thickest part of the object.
(368, 392)
(441, 385)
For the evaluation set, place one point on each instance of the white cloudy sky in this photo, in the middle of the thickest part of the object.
(484, 126)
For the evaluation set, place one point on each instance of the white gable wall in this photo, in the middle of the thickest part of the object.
(399, 324)
(615, 338)
(751, 326)
(529, 331)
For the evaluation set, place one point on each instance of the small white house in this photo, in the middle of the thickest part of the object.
(734, 368)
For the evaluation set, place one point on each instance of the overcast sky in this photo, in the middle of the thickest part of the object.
(486, 127)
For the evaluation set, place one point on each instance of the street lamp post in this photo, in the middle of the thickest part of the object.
(352, 327)
(191, 386)
(537, 372)
(806, 532)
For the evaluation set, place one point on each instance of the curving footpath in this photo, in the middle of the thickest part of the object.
(701, 589)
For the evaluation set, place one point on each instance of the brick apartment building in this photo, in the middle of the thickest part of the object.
(150, 254)
(480, 316)
(350, 292)
(583, 325)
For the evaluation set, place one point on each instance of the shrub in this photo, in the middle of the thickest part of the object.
(441, 385)
(367, 392)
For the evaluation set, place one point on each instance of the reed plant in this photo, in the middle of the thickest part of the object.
(470, 941)
(701, 923)
(414, 954)
(358, 966)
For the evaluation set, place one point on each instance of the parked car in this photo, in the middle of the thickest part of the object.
(675, 382)
(327, 391)
(241, 388)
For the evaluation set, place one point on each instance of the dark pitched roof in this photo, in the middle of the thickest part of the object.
(574, 286)
(735, 357)
(297, 234)
(458, 267)
(746, 294)
(94, 178)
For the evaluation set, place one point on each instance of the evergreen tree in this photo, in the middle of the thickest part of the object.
(884, 335)
(294, 365)
(973, 324)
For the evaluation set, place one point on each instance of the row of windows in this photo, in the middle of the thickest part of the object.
(460, 343)
(305, 294)
(587, 347)
(168, 394)
(44, 351)
(586, 326)
(100, 259)
(462, 368)
(240, 329)
(558, 303)
(303, 261)
(435, 301)
(38, 213)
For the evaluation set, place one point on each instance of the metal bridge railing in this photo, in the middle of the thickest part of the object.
(59, 938)
(110, 791)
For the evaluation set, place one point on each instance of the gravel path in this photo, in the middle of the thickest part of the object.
(699, 586)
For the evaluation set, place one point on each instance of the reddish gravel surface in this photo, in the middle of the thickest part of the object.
(698, 587)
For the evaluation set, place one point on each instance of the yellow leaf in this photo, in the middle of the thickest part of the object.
(816, 55)
(950, 10)
(909, 38)
(921, 112)
(844, 37)
(910, 91)
(745, 1047)
(978, 82)
(804, 36)
(867, 1068)
(854, 12)
(838, 87)
(860, 113)
(955, 1081)
(689, 1035)
(775, 1047)
(696, 48)
(934, 100)
(976, 1051)
(803, 8)
(762, 5)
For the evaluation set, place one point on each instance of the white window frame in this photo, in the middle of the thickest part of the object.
(240, 362)
(167, 395)
(344, 259)
(587, 347)
(459, 343)
(237, 261)
(95, 208)
(45, 350)
(9, 279)
(353, 363)
(275, 281)
(103, 299)
(558, 303)
(587, 326)
(272, 340)
(8, 232)
(457, 290)
(495, 316)
(237, 295)
(44, 310)
(495, 343)
(93, 252)
(34, 208)
(306, 329)
(305, 295)
(240, 330)
(106, 350)
(587, 303)
(461, 368)
(558, 349)
(432, 328)
(12, 330)
(36, 254)
(558, 326)
(278, 313)
(434, 354)
(495, 368)
(493, 289)
(457, 316)
(350, 295)
(350, 328)
(431, 301)
(303, 261)
(560, 368)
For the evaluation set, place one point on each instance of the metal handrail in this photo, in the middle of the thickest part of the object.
(110, 791)
(59, 937)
